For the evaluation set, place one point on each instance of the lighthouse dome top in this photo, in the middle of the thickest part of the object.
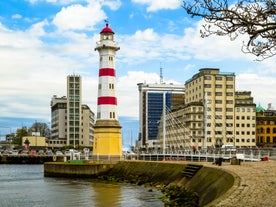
(107, 29)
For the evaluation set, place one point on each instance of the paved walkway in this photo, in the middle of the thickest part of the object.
(255, 188)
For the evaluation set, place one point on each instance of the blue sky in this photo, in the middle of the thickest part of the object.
(43, 41)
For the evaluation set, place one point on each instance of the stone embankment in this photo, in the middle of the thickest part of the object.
(255, 186)
(250, 184)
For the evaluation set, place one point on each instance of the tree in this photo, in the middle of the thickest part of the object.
(40, 127)
(256, 18)
(20, 132)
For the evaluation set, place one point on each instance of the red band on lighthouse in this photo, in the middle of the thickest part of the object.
(107, 100)
(107, 72)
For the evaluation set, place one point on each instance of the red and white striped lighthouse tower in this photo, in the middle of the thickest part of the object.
(107, 134)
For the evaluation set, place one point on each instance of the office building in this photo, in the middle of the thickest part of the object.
(153, 99)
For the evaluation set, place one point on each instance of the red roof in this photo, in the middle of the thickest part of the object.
(107, 29)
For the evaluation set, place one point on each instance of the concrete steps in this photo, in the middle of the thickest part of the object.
(191, 170)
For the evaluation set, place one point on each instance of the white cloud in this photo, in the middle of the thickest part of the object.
(112, 4)
(155, 5)
(16, 16)
(78, 17)
(128, 94)
(262, 87)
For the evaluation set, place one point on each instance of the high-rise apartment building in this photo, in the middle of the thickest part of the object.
(210, 96)
(153, 99)
(74, 98)
(245, 121)
(72, 122)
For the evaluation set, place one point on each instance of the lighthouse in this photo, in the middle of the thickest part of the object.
(107, 129)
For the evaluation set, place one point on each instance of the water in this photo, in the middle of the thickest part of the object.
(25, 185)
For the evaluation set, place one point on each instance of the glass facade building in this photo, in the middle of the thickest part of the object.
(151, 104)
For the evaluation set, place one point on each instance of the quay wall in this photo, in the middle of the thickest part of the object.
(76, 169)
(209, 183)
(25, 159)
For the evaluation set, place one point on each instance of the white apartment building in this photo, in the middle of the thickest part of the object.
(87, 126)
(215, 93)
(213, 114)
(245, 120)
(72, 122)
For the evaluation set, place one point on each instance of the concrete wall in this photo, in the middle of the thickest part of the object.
(209, 183)
(65, 169)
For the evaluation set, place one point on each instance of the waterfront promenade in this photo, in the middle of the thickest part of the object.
(255, 185)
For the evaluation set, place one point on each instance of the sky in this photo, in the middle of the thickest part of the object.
(44, 41)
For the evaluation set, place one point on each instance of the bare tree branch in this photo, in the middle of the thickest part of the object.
(256, 18)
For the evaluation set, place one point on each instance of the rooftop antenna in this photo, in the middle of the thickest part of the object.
(161, 74)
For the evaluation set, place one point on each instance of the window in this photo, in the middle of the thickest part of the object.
(229, 94)
(207, 86)
(229, 86)
(218, 93)
(218, 78)
(218, 109)
(218, 86)
(229, 78)
(229, 101)
(218, 101)
(237, 125)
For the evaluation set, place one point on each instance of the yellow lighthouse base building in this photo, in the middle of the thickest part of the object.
(107, 138)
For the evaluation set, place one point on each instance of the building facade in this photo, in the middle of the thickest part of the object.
(74, 97)
(59, 118)
(87, 126)
(210, 101)
(245, 120)
(214, 114)
(265, 126)
(154, 100)
(72, 123)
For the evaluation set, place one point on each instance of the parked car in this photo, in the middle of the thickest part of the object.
(41, 152)
(59, 153)
(24, 152)
(14, 152)
(228, 148)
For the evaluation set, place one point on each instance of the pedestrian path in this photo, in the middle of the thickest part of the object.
(255, 185)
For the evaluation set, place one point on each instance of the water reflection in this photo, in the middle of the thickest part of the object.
(25, 185)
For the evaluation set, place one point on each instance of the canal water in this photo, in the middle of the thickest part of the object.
(25, 185)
